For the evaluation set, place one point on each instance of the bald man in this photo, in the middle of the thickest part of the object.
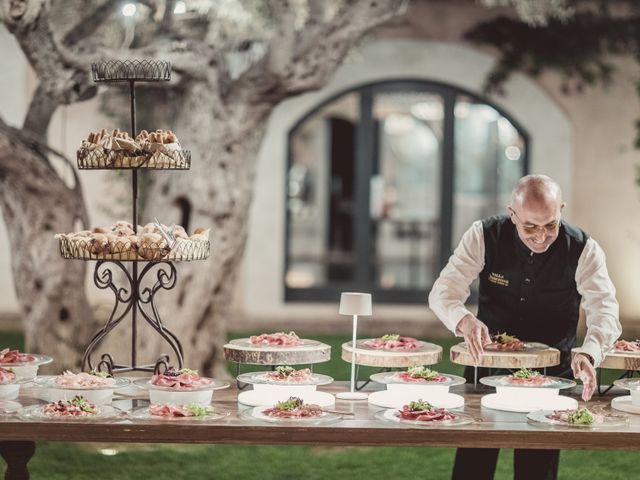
(535, 271)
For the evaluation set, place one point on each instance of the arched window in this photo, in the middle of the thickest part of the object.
(383, 180)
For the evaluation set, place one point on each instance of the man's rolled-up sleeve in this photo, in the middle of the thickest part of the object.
(451, 289)
(599, 302)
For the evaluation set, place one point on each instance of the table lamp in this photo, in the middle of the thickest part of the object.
(354, 304)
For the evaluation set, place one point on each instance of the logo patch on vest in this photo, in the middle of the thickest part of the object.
(498, 279)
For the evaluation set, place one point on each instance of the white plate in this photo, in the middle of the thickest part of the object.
(36, 413)
(625, 404)
(144, 415)
(392, 399)
(258, 378)
(259, 399)
(389, 378)
(7, 406)
(255, 413)
(393, 415)
(608, 421)
(496, 401)
(37, 360)
(245, 342)
(49, 381)
(214, 385)
(501, 381)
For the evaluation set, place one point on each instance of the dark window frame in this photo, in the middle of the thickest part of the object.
(363, 169)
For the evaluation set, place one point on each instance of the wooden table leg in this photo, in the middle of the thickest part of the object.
(17, 455)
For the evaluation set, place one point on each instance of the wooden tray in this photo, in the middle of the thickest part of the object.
(548, 357)
(617, 360)
(263, 355)
(427, 355)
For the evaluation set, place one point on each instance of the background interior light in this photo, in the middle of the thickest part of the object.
(129, 9)
(180, 8)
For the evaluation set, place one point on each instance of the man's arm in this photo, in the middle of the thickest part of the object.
(451, 289)
(599, 302)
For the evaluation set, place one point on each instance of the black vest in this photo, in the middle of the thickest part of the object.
(532, 296)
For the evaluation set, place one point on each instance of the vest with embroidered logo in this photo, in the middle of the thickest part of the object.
(529, 295)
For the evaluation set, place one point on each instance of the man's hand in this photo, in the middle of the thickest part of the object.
(583, 369)
(475, 333)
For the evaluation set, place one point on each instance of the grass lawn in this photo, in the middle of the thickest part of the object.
(56, 460)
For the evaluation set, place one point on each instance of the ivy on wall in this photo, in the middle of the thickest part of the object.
(578, 47)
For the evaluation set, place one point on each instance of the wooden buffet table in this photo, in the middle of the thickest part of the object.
(495, 429)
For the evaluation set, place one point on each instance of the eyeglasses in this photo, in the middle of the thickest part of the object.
(531, 229)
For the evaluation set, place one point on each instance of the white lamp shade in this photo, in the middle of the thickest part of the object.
(352, 303)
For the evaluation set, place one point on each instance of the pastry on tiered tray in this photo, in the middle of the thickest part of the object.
(116, 149)
(153, 241)
(161, 148)
(110, 149)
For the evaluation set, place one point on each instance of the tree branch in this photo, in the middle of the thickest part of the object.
(90, 23)
(316, 54)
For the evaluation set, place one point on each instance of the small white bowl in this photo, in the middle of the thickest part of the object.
(28, 370)
(635, 397)
(200, 395)
(100, 395)
(418, 389)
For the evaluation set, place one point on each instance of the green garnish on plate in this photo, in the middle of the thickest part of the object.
(291, 404)
(582, 416)
(82, 404)
(285, 370)
(420, 405)
(526, 373)
(422, 372)
(199, 411)
(390, 337)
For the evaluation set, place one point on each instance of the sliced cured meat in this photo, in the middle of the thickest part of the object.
(14, 356)
(524, 376)
(288, 374)
(293, 408)
(425, 412)
(82, 380)
(279, 339)
(627, 346)
(184, 379)
(168, 410)
(579, 416)
(76, 407)
(502, 342)
(6, 375)
(393, 343)
(420, 375)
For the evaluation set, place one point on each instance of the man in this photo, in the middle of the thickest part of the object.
(534, 271)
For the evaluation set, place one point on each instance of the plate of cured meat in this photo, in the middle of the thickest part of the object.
(285, 375)
(578, 418)
(420, 413)
(78, 409)
(189, 413)
(627, 347)
(275, 340)
(24, 365)
(391, 343)
(527, 378)
(292, 411)
(504, 343)
(418, 375)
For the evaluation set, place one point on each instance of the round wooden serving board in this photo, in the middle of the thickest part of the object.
(427, 355)
(533, 359)
(316, 353)
(617, 361)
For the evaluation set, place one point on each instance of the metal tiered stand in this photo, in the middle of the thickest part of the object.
(133, 297)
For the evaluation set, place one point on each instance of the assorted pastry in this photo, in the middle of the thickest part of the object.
(159, 149)
(394, 343)
(149, 242)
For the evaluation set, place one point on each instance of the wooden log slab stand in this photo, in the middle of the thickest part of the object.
(532, 359)
(427, 355)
